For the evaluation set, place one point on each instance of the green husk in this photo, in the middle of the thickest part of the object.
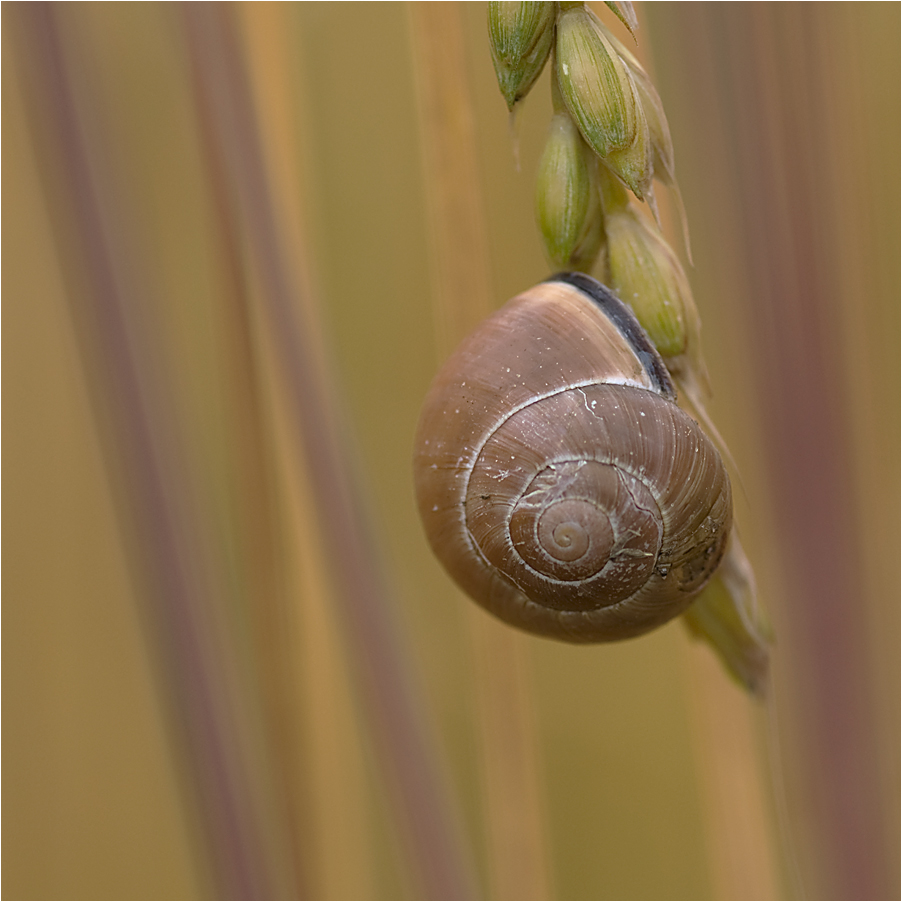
(595, 83)
(563, 191)
(521, 36)
(646, 274)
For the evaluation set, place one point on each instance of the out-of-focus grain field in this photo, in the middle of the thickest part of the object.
(232, 667)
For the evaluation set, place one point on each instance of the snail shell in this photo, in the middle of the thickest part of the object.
(557, 480)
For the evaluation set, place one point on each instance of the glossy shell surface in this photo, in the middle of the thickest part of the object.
(558, 482)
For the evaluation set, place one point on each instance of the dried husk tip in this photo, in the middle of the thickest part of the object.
(727, 617)
(655, 118)
(626, 13)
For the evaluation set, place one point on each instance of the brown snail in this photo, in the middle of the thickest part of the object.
(557, 480)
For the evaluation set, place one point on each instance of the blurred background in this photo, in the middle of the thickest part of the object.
(234, 239)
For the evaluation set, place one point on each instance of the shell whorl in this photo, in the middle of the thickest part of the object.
(558, 481)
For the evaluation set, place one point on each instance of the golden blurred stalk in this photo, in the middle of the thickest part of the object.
(462, 293)
(404, 747)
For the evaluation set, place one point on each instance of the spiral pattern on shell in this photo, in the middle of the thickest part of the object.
(559, 483)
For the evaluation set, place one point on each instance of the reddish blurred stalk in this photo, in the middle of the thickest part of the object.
(127, 406)
(764, 73)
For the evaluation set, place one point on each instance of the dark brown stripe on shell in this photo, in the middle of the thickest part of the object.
(625, 320)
